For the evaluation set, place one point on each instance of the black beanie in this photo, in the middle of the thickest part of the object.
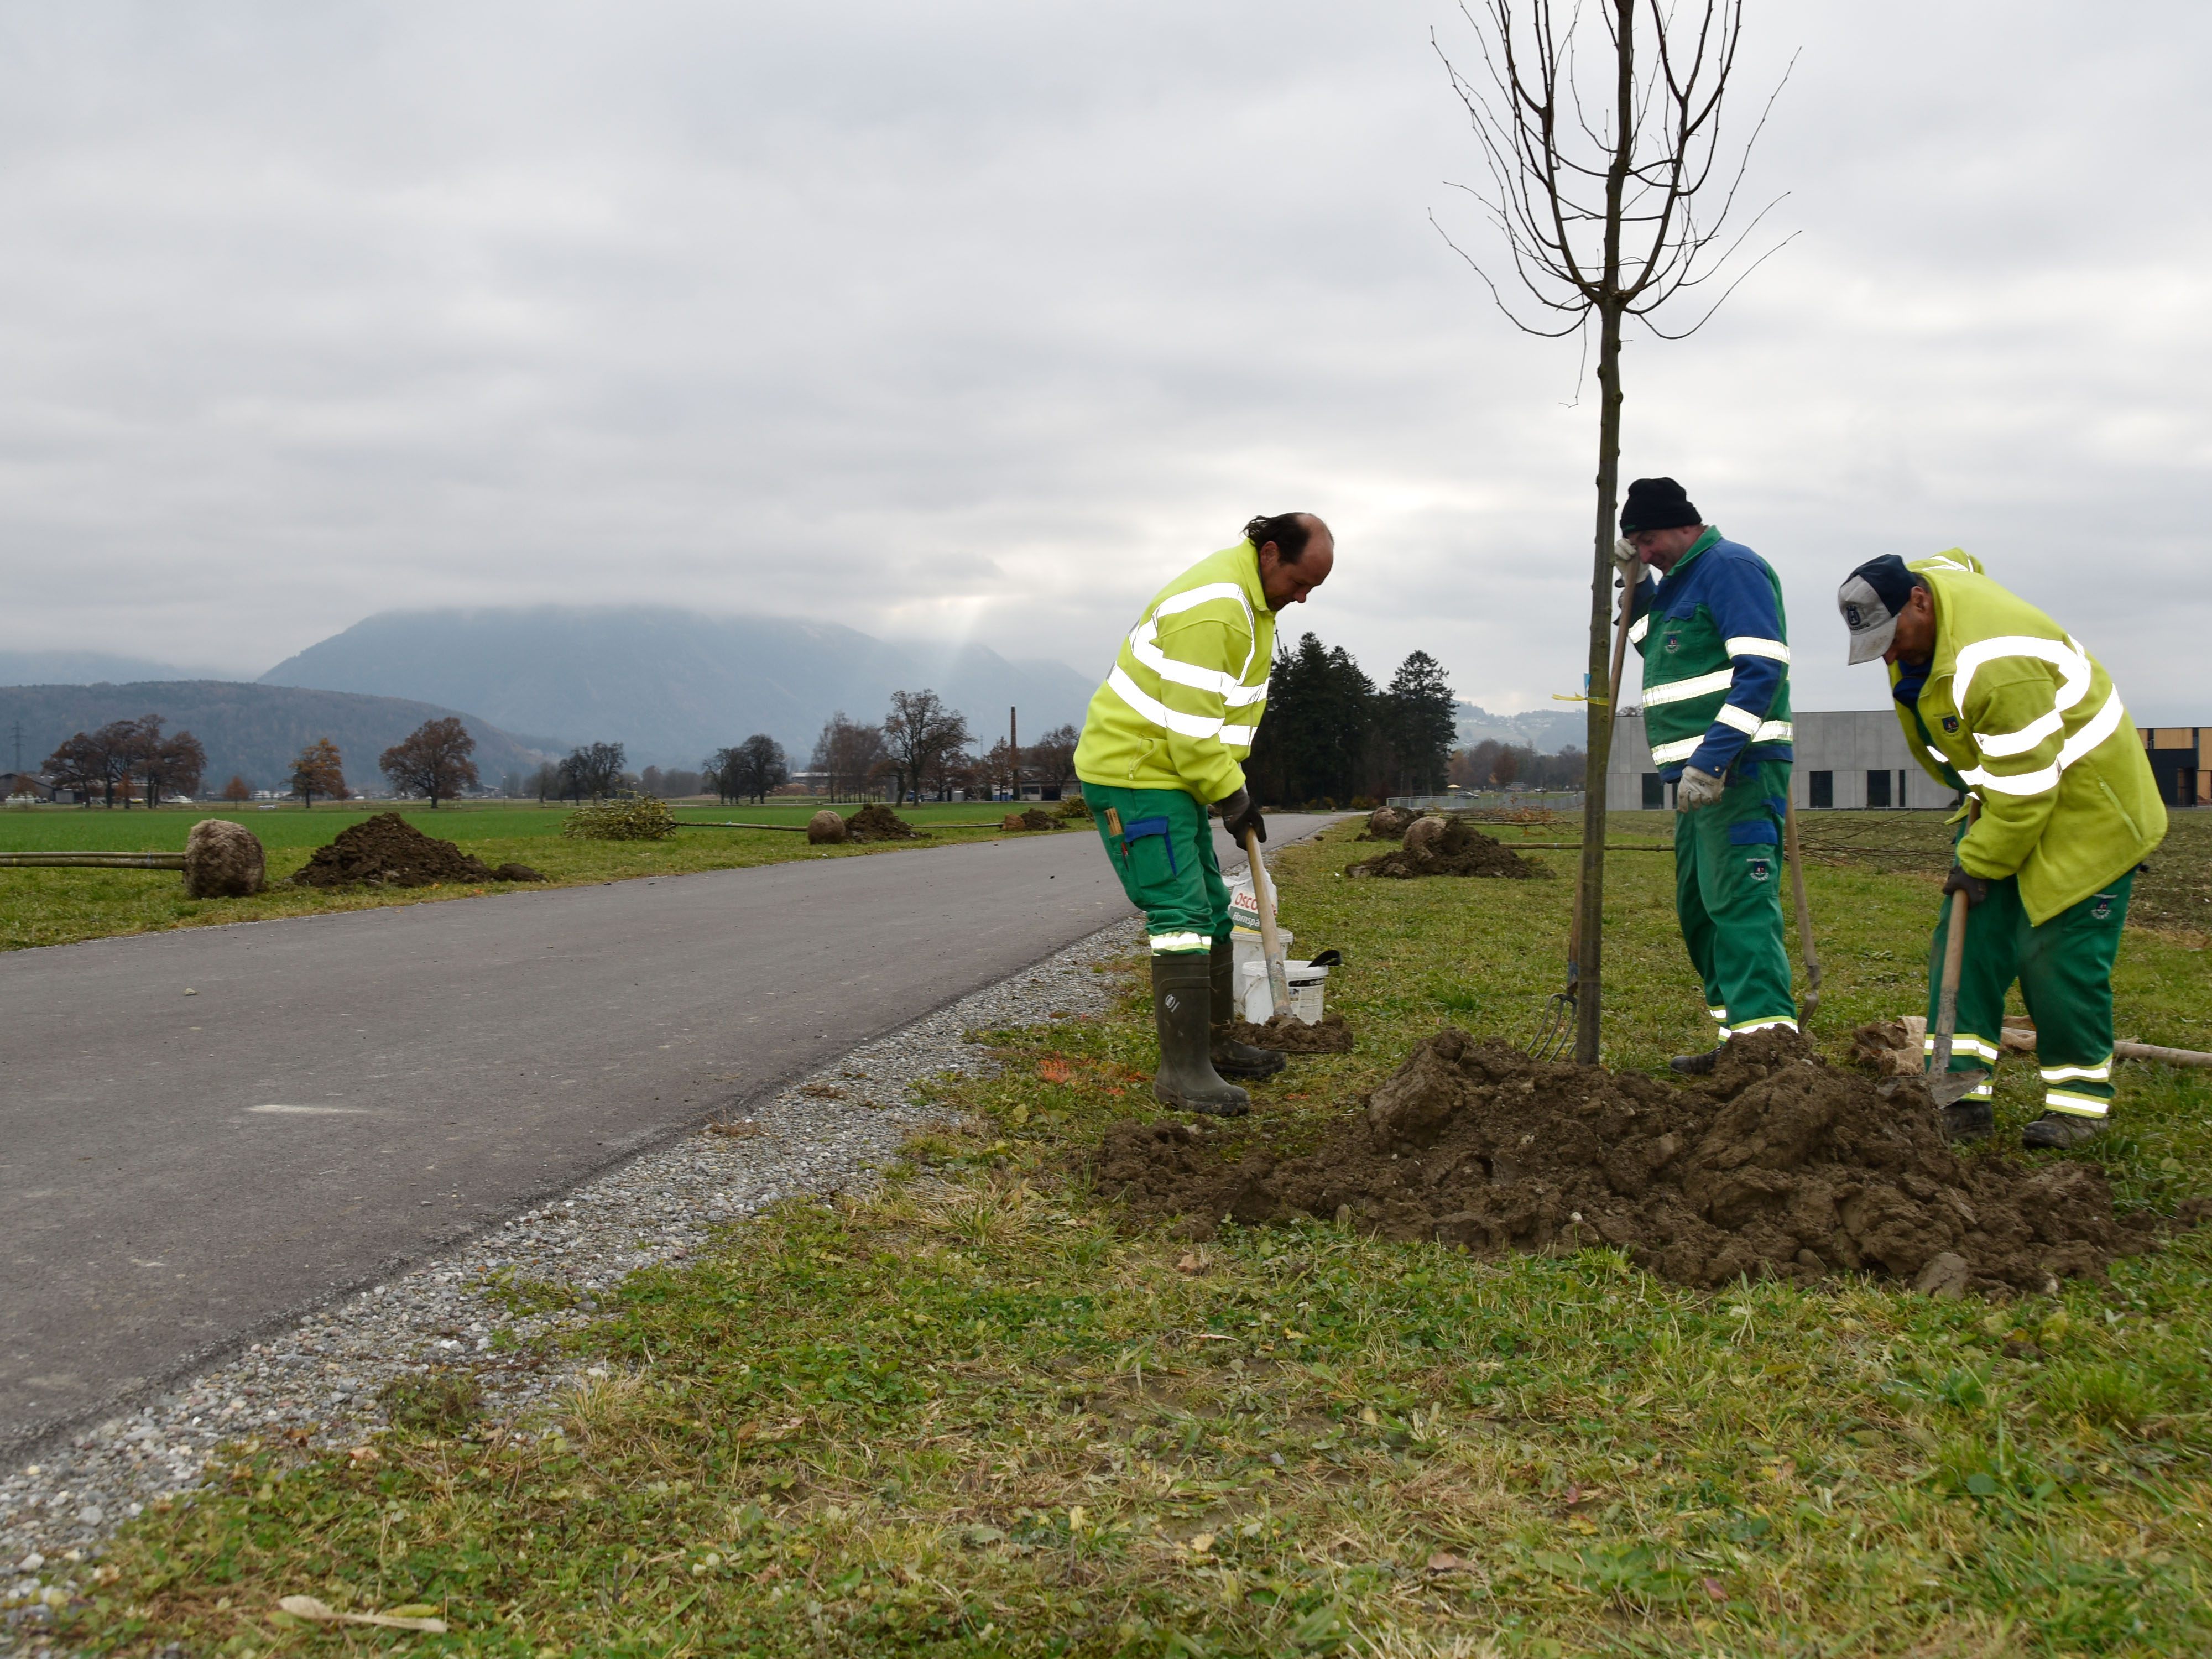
(1657, 504)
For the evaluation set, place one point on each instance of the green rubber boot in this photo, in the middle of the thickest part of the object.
(1232, 1059)
(1181, 1002)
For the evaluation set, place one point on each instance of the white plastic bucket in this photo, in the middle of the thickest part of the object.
(1245, 950)
(1307, 984)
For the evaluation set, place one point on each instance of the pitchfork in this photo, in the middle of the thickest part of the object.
(1555, 1034)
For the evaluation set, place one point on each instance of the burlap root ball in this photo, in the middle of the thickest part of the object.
(222, 859)
(825, 828)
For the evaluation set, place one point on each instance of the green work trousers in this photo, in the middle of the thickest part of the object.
(1164, 854)
(2065, 973)
(1728, 895)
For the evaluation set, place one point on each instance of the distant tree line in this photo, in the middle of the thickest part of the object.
(1331, 737)
(1494, 765)
(130, 756)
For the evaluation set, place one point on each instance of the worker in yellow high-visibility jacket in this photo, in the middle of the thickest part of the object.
(1999, 700)
(1163, 742)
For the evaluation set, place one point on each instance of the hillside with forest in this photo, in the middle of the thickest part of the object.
(252, 731)
(671, 686)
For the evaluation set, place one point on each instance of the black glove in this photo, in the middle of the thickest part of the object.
(1238, 814)
(1959, 881)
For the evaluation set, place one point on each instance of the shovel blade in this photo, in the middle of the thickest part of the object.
(1953, 1087)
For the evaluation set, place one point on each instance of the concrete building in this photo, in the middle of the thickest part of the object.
(2181, 760)
(1849, 758)
(1859, 758)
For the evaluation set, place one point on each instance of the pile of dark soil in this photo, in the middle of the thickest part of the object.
(1031, 819)
(1292, 1036)
(516, 872)
(1777, 1165)
(876, 822)
(1447, 847)
(387, 850)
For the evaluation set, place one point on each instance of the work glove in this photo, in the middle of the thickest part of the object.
(1238, 814)
(1628, 561)
(1961, 881)
(1695, 789)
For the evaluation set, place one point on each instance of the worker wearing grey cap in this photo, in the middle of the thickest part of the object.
(2000, 701)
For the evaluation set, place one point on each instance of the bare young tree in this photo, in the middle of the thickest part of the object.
(1601, 203)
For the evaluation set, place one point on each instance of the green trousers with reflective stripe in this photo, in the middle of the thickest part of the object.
(2065, 973)
(1165, 857)
(1728, 895)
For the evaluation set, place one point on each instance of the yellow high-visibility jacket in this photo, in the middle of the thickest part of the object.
(1183, 703)
(2015, 711)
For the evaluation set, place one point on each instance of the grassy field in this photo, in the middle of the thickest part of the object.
(55, 907)
(979, 1413)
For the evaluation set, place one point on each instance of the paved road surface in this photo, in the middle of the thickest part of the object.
(344, 1094)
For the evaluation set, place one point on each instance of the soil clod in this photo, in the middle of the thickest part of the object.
(1436, 846)
(1290, 1034)
(1777, 1165)
(876, 822)
(387, 850)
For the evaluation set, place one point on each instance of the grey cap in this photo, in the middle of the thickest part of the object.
(1870, 598)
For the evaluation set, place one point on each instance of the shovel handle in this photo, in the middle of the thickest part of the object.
(1271, 941)
(1812, 1002)
(1946, 995)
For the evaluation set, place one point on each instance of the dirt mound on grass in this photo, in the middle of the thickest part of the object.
(1446, 847)
(1031, 819)
(876, 822)
(1779, 1165)
(1292, 1036)
(387, 850)
(516, 872)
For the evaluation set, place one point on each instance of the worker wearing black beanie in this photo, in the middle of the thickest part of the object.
(1657, 504)
(1717, 714)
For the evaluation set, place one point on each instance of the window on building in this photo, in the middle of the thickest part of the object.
(1900, 785)
(1877, 788)
(1823, 788)
(1654, 792)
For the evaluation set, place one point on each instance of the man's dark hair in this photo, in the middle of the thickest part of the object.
(1288, 531)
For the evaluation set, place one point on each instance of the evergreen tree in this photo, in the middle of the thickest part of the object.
(1418, 718)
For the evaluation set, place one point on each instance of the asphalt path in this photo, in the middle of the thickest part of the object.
(205, 1133)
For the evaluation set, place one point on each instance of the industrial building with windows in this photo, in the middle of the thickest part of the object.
(1858, 757)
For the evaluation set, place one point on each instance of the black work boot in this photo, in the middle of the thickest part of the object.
(2060, 1130)
(1695, 1065)
(1969, 1120)
(1181, 1002)
(1232, 1059)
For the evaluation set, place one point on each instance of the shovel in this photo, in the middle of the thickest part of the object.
(1271, 941)
(1812, 1002)
(1949, 1087)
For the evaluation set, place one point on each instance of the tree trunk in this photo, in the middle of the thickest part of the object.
(1589, 999)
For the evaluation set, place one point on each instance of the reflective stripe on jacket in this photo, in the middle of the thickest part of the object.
(2031, 723)
(1182, 704)
(1716, 676)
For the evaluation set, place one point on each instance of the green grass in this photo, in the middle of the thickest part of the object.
(59, 906)
(980, 1414)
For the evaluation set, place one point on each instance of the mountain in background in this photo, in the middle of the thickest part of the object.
(253, 731)
(1548, 730)
(86, 668)
(672, 686)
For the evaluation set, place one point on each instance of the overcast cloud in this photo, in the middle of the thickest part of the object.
(980, 318)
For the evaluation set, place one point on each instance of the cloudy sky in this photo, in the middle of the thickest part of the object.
(979, 319)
